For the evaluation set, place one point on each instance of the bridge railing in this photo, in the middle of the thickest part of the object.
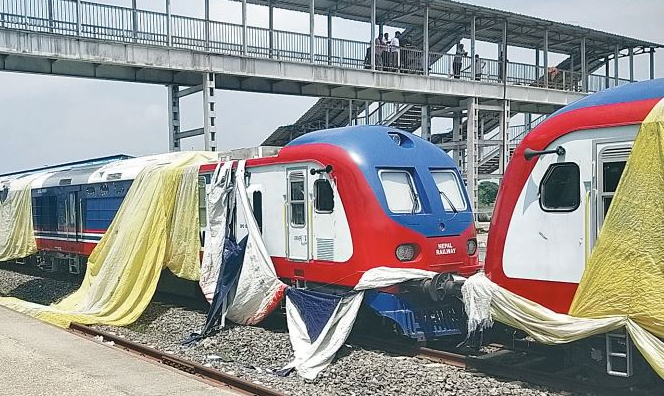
(107, 22)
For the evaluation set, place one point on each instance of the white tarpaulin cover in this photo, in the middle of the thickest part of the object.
(219, 198)
(318, 324)
(485, 301)
(258, 289)
(17, 237)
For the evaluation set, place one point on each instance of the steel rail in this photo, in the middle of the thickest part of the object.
(209, 374)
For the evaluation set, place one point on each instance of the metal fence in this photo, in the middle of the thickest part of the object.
(107, 22)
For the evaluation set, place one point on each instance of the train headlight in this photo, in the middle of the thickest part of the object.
(406, 252)
(471, 246)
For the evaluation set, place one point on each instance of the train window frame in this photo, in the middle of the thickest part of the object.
(459, 190)
(546, 177)
(413, 188)
(293, 202)
(104, 189)
(317, 206)
(257, 208)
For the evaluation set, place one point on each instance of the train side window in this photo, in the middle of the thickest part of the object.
(257, 206)
(297, 201)
(323, 196)
(611, 173)
(104, 189)
(90, 190)
(560, 188)
(400, 191)
(202, 202)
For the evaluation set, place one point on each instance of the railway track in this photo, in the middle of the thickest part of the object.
(204, 373)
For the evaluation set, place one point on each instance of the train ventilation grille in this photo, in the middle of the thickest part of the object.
(325, 249)
(616, 153)
(114, 176)
(65, 182)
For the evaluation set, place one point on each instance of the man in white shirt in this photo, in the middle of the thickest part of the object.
(394, 51)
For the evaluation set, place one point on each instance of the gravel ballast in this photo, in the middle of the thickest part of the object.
(254, 353)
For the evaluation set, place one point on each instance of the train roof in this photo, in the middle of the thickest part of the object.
(643, 90)
(68, 165)
(377, 146)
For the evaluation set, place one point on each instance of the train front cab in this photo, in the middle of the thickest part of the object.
(551, 207)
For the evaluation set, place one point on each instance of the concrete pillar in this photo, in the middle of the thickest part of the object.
(473, 30)
(426, 123)
(207, 25)
(425, 23)
(169, 32)
(312, 43)
(270, 26)
(244, 28)
(456, 138)
(631, 64)
(584, 66)
(173, 118)
(329, 37)
(652, 63)
(546, 58)
(472, 150)
(327, 118)
(134, 21)
(504, 128)
(616, 74)
(350, 112)
(373, 35)
(209, 112)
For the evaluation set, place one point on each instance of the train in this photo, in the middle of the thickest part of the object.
(331, 205)
(556, 192)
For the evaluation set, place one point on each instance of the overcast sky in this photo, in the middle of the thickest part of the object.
(47, 120)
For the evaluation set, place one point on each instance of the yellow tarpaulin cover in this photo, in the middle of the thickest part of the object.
(17, 237)
(156, 226)
(623, 283)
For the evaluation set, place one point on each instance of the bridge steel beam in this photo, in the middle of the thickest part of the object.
(209, 112)
(173, 117)
(472, 152)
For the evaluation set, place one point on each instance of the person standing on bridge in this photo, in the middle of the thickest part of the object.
(380, 48)
(479, 65)
(458, 60)
(386, 52)
(395, 45)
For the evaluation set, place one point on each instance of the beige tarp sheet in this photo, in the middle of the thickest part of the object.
(17, 237)
(156, 227)
(623, 283)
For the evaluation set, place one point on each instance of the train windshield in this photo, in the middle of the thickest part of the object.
(400, 192)
(450, 190)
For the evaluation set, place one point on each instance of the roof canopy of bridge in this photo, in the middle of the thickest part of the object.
(452, 18)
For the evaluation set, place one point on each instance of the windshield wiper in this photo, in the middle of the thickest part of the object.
(414, 197)
(449, 201)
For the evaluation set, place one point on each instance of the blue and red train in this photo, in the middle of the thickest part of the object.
(331, 205)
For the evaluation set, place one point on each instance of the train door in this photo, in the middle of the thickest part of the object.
(297, 219)
(68, 215)
(610, 159)
(323, 219)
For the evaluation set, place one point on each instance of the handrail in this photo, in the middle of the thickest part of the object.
(117, 23)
